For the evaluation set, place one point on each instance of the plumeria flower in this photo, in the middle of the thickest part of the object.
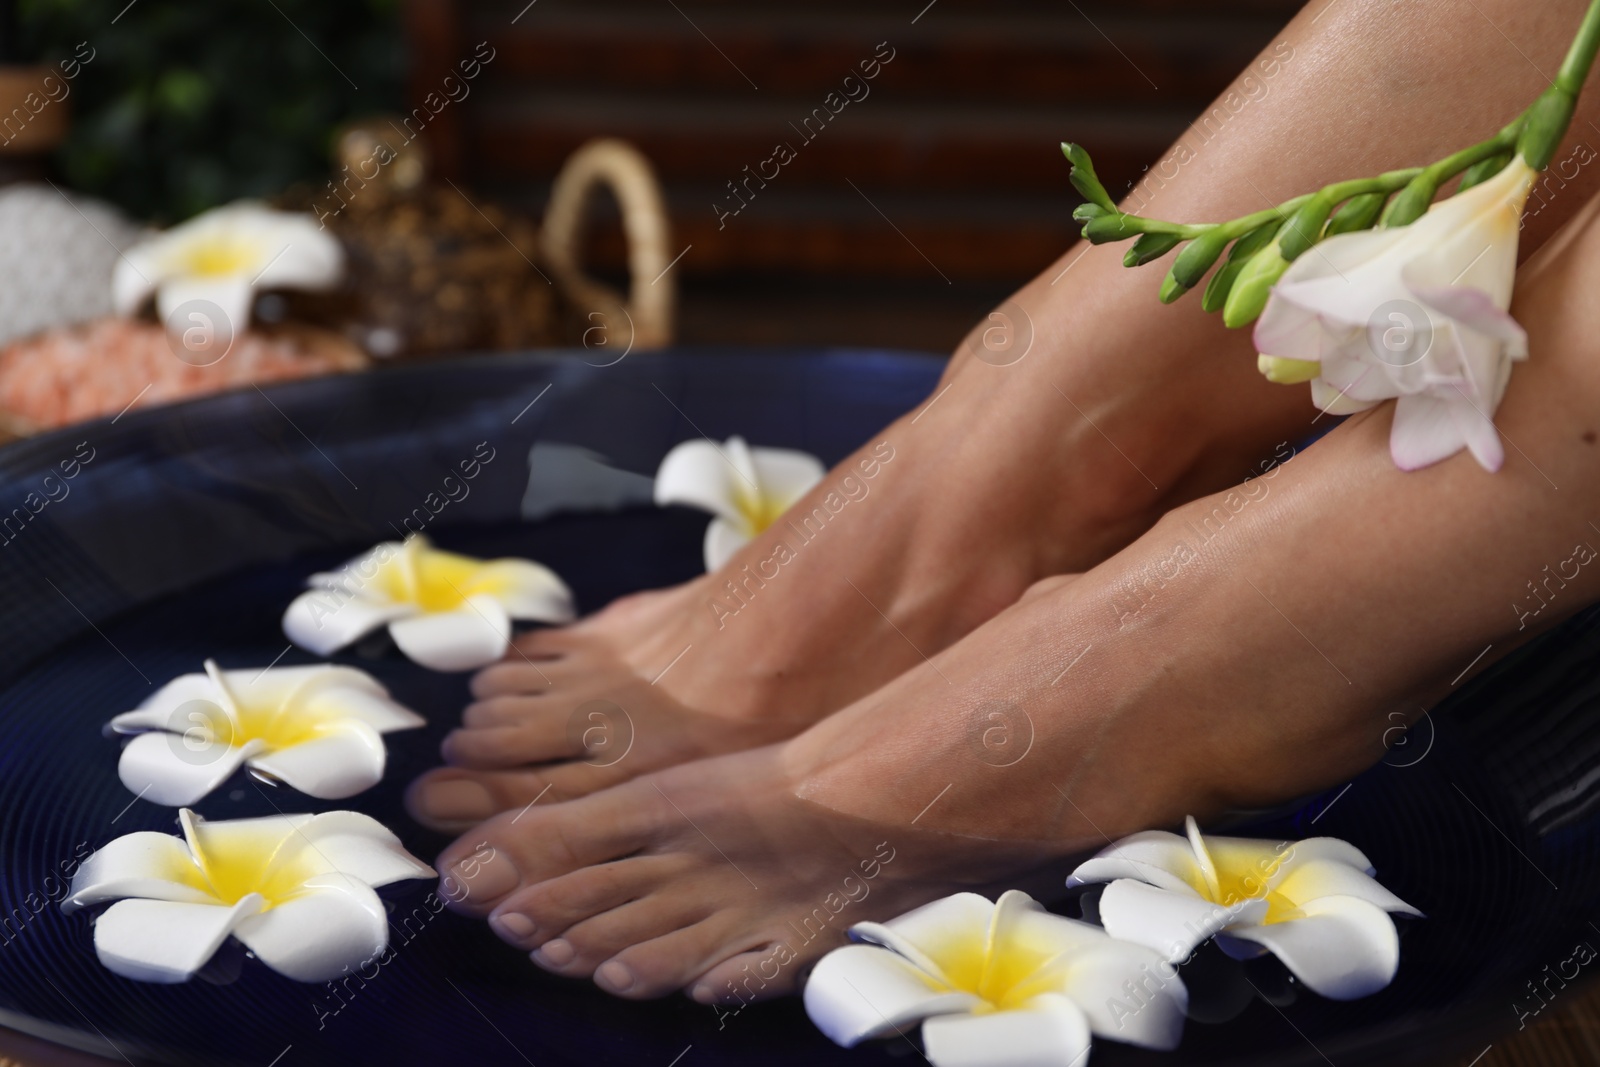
(224, 256)
(1314, 904)
(317, 729)
(447, 612)
(296, 889)
(745, 488)
(1416, 313)
(1003, 984)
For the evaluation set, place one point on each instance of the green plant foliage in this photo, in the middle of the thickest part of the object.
(192, 103)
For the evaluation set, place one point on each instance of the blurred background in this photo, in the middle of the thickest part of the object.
(935, 190)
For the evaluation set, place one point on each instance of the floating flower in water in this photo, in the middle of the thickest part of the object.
(445, 611)
(314, 728)
(1416, 312)
(1003, 984)
(223, 256)
(296, 889)
(1314, 904)
(746, 488)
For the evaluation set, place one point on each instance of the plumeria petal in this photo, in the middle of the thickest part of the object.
(306, 258)
(179, 769)
(474, 635)
(231, 294)
(378, 711)
(863, 991)
(145, 864)
(165, 941)
(1155, 856)
(343, 759)
(1098, 981)
(939, 937)
(1170, 922)
(324, 620)
(1342, 949)
(785, 475)
(1050, 1031)
(528, 591)
(700, 474)
(134, 279)
(1316, 878)
(332, 928)
(722, 540)
(347, 842)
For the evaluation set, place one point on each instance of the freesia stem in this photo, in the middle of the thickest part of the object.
(1580, 57)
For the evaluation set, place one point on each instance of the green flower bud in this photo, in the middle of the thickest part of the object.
(1221, 283)
(1113, 227)
(1083, 177)
(1250, 291)
(1546, 123)
(1085, 212)
(1357, 213)
(1304, 227)
(1412, 202)
(1150, 246)
(1192, 264)
(1483, 170)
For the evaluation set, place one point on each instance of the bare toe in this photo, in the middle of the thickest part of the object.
(453, 799)
(585, 946)
(516, 849)
(540, 913)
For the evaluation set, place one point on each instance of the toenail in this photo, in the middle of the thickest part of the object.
(513, 926)
(456, 799)
(485, 879)
(557, 953)
(613, 977)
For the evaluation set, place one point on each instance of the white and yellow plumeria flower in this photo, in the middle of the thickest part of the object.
(1003, 984)
(445, 611)
(317, 729)
(746, 488)
(296, 889)
(1314, 904)
(224, 256)
(1416, 313)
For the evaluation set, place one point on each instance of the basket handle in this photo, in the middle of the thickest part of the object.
(652, 296)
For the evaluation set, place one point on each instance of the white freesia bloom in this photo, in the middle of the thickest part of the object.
(1416, 313)
(1003, 984)
(1314, 904)
(317, 729)
(296, 889)
(445, 611)
(746, 488)
(224, 256)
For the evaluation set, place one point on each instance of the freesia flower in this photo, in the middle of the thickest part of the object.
(445, 611)
(1416, 313)
(746, 488)
(1003, 984)
(314, 728)
(224, 256)
(296, 889)
(1314, 904)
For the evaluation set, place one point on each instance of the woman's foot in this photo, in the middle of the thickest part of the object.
(1250, 648)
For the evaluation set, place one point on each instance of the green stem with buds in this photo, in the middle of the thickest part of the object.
(1266, 242)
